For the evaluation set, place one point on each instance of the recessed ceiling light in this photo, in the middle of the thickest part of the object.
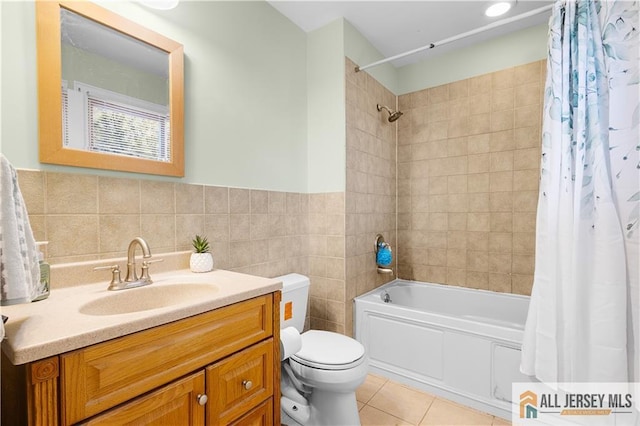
(498, 8)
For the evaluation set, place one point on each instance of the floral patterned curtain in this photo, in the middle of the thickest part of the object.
(583, 318)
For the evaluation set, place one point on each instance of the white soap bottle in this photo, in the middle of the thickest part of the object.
(45, 270)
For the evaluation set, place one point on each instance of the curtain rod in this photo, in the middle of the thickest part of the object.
(458, 37)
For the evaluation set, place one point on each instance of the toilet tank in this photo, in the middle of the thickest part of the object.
(293, 307)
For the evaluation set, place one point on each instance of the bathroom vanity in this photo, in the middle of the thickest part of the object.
(205, 362)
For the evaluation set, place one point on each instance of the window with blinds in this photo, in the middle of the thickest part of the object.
(113, 123)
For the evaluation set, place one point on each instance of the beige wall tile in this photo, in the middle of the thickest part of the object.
(527, 137)
(480, 84)
(500, 242)
(501, 221)
(500, 263)
(502, 79)
(522, 284)
(478, 241)
(187, 227)
(71, 193)
(526, 159)
(503, 99)
(478, 182)
(72, 235)
(159, 230)
(259, 202)
(502, 120)
(239, 254)
(479, 124)
(524, 222)
(478, 222)
(500, 282)
(479, 202)
(523, 264)
(31, 183)
(525, 201)
(478, 163)
(528, 73)
(239, 201)
(240, 227)
(216, 227)
(501, 161)
(501, 181)
(478, 144)
(117, 231)
(456, 222)
(157, 197)
(277, 202)
(216, 199)
(501, 201)
(116, 195)
(477, 279)
(478, 261)
(480, 103)
(525, 180)
(189, 198)
(528, 94)
(501, 141)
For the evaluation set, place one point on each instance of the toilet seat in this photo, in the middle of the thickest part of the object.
(326, 350)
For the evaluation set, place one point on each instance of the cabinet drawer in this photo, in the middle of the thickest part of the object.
(262, 415)
(104, 375)
(239, 383)
(174, 404)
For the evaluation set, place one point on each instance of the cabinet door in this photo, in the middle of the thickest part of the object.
(262, 415)
(174, 404)
(239, 383)
(99, 377)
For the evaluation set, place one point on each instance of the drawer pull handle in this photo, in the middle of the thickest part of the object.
(202, 399)
(247, 384)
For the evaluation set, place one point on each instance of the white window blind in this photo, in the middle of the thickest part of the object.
(99, 120)
(65, 115)
(120, 129)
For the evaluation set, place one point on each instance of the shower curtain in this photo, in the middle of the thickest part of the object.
(582, 324)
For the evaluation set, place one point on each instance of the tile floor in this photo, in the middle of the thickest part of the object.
(383, 402)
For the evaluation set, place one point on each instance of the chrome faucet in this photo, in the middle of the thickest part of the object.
(132, 280)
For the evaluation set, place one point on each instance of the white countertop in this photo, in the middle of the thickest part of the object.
(55, 325)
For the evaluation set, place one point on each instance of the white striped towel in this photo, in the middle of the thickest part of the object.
(19, 267)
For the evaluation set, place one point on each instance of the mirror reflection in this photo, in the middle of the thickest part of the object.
(115, 91)
(120, 91)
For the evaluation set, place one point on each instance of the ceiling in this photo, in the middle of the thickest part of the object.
(394, 27)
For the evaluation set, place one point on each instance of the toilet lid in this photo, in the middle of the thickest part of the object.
(328, 350)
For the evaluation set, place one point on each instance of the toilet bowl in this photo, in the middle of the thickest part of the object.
(319, 381)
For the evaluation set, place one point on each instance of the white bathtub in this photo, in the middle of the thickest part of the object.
(459, 343)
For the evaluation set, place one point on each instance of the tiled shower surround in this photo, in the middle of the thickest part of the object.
(455, 196)
(468, 165)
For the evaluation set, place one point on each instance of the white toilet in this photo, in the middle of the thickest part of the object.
(319, 381)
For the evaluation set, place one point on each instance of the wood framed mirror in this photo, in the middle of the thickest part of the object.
(110, 91)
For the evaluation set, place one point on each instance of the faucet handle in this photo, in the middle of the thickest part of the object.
(145, 268)
(115, 273)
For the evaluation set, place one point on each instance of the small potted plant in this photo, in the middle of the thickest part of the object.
(201, 260)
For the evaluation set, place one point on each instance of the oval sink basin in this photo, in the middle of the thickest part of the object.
(147, 298)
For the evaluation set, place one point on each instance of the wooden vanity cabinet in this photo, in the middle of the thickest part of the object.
(217, 368)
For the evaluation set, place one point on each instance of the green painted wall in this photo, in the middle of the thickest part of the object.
(360, 51)
(518, 48)
(326, 133)
(245, 91)
(264, 102)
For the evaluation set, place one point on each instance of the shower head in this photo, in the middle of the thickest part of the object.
(393, 115)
